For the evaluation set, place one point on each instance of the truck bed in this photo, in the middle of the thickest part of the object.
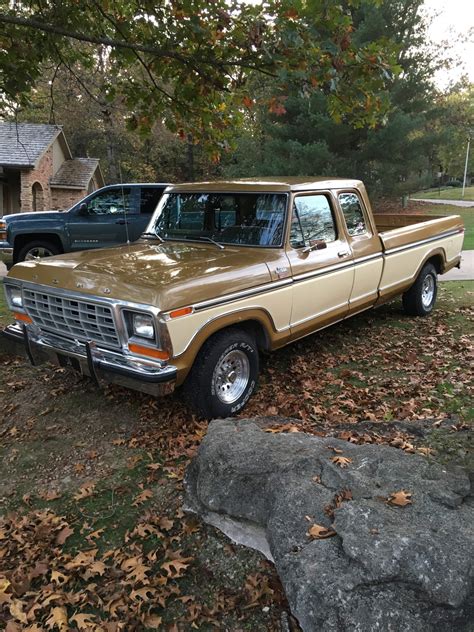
(398, 230)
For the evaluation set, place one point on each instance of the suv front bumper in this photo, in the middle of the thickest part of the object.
(102, 365)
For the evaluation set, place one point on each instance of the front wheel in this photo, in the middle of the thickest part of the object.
(224, 374)
(420, 299)
(37, 250)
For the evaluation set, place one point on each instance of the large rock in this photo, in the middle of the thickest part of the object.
(389, 568)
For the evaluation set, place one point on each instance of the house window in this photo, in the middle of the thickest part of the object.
(38, 199)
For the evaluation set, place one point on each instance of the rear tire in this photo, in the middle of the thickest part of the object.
(224, 374)
(37, 250)
(420, 299)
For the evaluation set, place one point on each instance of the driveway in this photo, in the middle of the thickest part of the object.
(463, 203)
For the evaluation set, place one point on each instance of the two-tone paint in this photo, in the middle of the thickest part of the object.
(195, 289)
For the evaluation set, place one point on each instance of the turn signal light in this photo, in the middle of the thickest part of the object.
(176, 313)
(24, 318)
(147, 351)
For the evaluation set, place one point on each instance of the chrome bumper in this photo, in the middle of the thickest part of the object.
(102, 365)
(6, 253)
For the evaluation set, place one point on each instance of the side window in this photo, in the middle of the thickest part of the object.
(111, 202)
(312, 219)
(353, 214)
(149, 199)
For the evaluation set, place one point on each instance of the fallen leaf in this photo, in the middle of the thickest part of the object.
(342, 461)
(63, 535)
(84, 621)
(400, 499)
(318, 532)
(85, 491)
(58, 618)
(145, 495)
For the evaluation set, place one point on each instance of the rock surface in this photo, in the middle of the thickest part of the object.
(389, 568)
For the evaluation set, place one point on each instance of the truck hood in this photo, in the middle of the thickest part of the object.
(32, 216)
(167, 276)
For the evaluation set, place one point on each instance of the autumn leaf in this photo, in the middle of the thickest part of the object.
(85, 491)
(63, 535)
(58, 578)
(175, 568)
(400, 499)
(145, 495)
(84, 621)
(342, 461)
(58, 618)
(318, 532)
(152, 621)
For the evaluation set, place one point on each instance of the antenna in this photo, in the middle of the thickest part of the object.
(123, 203)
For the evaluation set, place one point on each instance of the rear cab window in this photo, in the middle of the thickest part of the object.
(149, 198)
(354, 215)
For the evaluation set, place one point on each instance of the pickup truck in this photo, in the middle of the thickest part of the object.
(225, 270)
(111, 215)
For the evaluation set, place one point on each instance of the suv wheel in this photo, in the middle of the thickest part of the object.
(224, 374)
(420, 299)
(37, 250)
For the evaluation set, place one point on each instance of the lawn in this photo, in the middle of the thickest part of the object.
(91, 481)
(450, 193)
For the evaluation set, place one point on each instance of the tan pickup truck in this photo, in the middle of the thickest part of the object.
(224, 270)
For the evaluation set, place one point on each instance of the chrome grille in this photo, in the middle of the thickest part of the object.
(77, 318)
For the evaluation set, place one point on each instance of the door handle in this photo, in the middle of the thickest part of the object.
(342, 253)
(121, 221)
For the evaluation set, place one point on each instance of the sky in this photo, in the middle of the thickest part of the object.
(454, 18)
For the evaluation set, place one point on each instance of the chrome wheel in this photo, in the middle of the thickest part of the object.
(427, 290)
(231, 376)
(38, 252)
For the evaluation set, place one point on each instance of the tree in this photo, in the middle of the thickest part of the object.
(186, 63)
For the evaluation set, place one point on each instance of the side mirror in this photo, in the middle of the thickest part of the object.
(315, 244)
(83, 209)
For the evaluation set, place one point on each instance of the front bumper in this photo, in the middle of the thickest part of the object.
(6, 253)
(102, 365)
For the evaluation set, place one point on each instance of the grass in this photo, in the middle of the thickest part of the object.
(450, 193)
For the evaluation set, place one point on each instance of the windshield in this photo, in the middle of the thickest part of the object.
(250, 219)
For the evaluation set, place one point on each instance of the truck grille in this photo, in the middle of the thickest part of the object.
(76, 318)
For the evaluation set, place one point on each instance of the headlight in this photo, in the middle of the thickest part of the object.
(14, 296)
(142, 325)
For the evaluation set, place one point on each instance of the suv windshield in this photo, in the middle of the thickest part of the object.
(250, 219)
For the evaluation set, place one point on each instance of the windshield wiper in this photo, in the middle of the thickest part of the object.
(213, 241)
(153, 234)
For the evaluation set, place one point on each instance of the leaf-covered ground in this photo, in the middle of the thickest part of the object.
(93, 536)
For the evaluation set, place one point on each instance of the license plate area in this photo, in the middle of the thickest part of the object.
(67, 362)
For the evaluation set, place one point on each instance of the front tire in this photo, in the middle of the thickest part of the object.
(224, 374)
(37, 250)
(420, 299)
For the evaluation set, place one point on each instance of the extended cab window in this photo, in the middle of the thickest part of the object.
(248, 219)
(111, 202)
(312, 219)
(353, 214)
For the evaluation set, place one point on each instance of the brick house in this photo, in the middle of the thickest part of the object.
(38, 171)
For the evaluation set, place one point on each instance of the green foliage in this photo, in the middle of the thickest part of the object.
(186, 63)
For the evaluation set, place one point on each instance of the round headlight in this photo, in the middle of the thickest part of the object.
(15, 297)
(143, 326)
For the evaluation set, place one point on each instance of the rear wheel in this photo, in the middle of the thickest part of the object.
(420, 299)
(37, 250)
(224, 374)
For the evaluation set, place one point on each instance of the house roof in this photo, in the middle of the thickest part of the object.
(75, 173)
(22, 144)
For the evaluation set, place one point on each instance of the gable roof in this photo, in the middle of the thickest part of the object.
(76, 173)
(22, 144)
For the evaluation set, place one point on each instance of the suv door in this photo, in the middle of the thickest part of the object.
(103, 221)
(321, 263)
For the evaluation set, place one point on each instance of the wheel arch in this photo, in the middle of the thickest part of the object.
(23, 238)
(257, 322)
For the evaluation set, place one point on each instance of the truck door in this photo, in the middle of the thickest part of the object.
(366, 249)
(103, 221)
(321, 263)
